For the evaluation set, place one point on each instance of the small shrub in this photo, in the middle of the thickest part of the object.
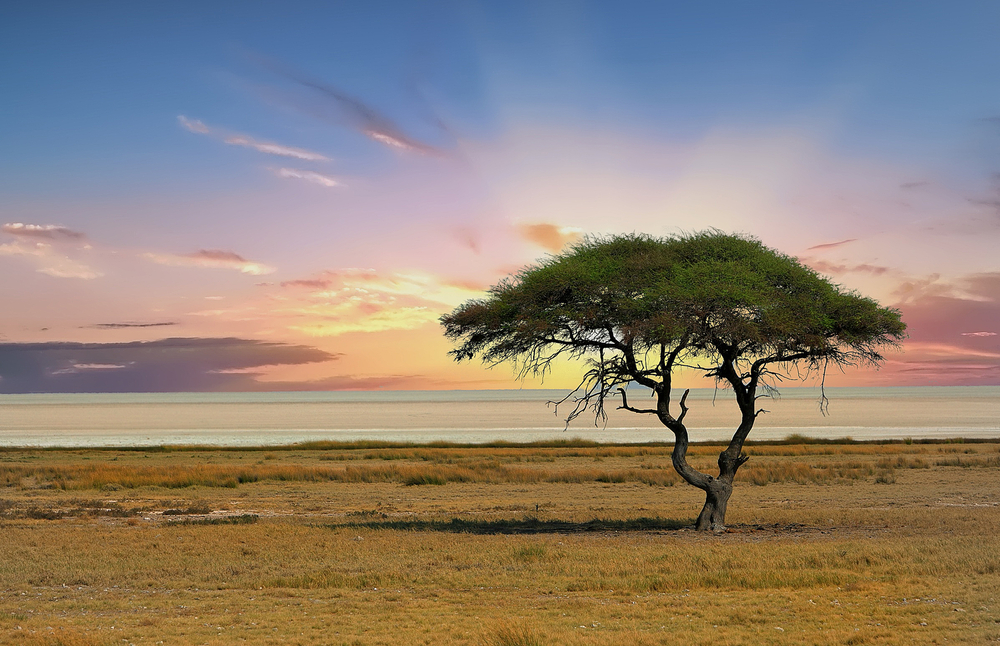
(424, 479)
(242, 519)
(885, 476)
(193, 509)
(529, 553)
(513, 636)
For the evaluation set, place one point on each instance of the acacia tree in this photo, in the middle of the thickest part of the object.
(637, 308)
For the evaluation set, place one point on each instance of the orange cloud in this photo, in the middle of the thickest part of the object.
(550, 236)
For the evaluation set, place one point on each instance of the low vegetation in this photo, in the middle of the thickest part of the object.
(566, 543)
(111, 469)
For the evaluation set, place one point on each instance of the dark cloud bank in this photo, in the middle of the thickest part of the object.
(167, 365)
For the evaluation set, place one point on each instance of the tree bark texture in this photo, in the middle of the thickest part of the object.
(713, 514)
(717, 489)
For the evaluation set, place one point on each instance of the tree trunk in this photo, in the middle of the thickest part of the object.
(717, 490)
(713, 514)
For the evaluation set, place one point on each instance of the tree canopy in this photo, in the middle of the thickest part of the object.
(637, 307)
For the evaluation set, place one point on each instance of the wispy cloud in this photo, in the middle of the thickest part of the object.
(551, 237)
(193, 125)
(831, 245)
(992, 202)
(368, 121)
(308, 283)
(76, 367)
(246, 141)
(365, 300)
(44, 231)
(273, 148)
(307, 175)
(120, 326)
(213, 258)
(50, 260)
(833, 269)
(351, 111)
(920, 289)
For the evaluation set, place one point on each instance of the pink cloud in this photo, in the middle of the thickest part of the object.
(939, 317)
(314, 283)
(50, 260)
(921, 288)
(832, 269)
(831, 245)
(45, 231)
(214, 258)
(309, 176)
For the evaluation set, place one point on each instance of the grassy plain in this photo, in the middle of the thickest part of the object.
(503, 545)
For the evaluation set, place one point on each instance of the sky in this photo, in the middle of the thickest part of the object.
(258, 196)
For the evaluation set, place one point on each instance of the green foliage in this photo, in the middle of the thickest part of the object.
(712, 296)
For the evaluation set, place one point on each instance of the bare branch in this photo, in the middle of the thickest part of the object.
(702, 368)
(683, 404)
(625, 405)
(638, 375)
(824, 403)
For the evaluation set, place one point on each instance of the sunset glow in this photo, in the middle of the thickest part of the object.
(289, 198)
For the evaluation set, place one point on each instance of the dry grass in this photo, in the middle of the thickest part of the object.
(429, 465)
(897, 545)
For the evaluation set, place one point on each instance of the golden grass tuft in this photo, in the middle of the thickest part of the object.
(512, 634)
(63, 638)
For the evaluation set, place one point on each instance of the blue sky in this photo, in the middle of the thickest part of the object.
(99, 85)
(207, 164)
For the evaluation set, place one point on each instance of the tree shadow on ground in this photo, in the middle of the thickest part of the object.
(527, 525)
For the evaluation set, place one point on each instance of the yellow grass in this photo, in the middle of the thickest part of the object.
(107, 547)
(429, 465)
